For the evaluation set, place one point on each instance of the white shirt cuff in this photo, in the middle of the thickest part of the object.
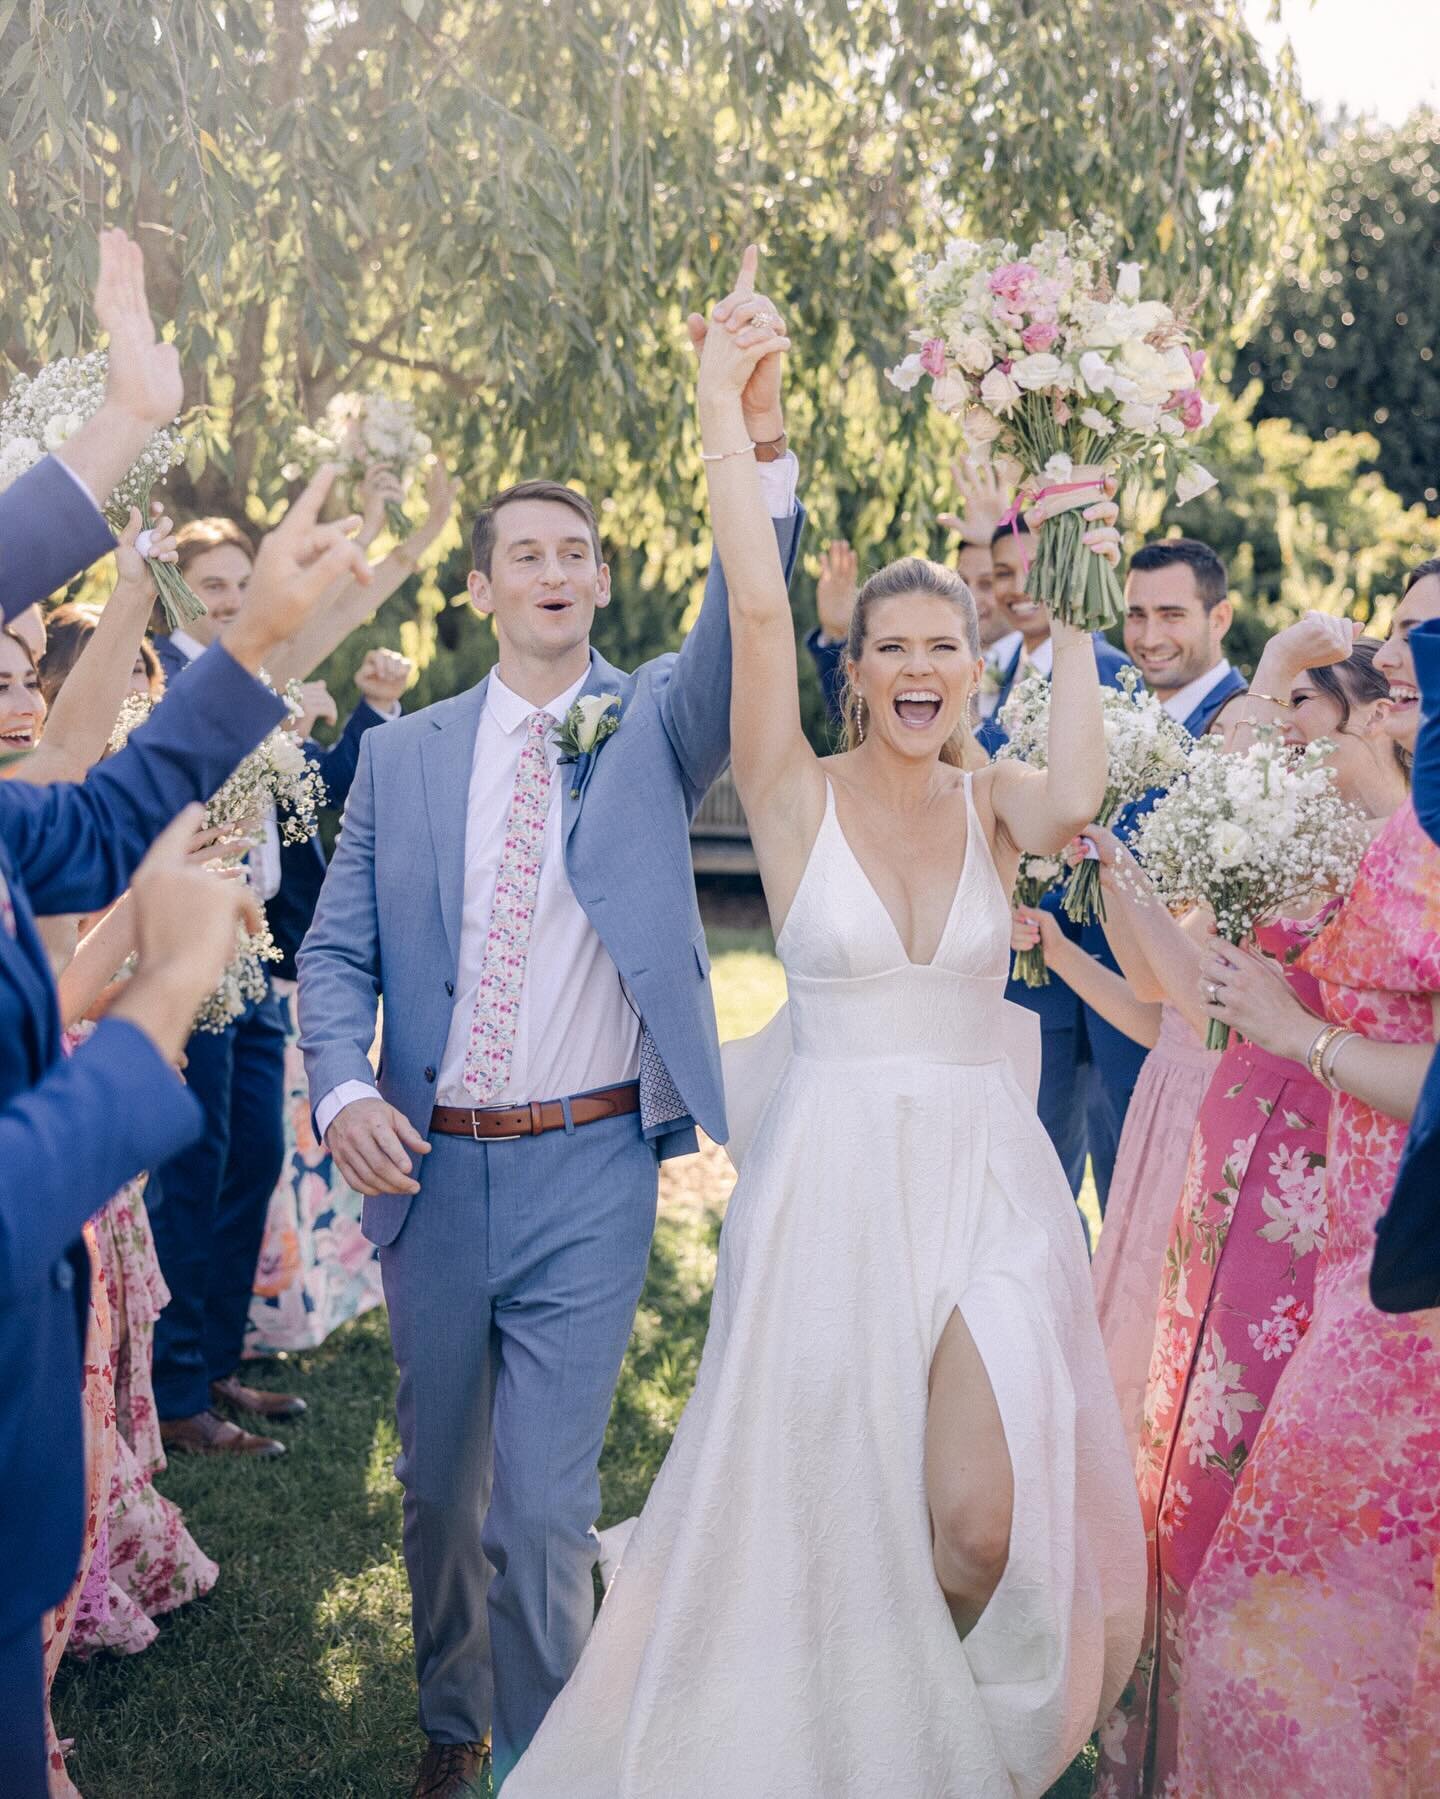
(778, 482)
(335, 1102)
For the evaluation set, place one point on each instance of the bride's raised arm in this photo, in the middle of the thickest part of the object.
(1040, 810)
(767, 742)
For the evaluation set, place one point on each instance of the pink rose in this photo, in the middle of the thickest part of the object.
(1012, 283)
(1061, 411)
(1198, 359)
(932, 356)
(1039, 336)
(1190, 407)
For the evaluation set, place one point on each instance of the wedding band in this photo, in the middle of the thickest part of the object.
(1212, 992)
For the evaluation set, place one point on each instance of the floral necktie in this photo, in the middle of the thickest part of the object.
(491, 1049)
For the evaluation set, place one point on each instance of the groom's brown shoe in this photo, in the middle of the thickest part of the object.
(205, 1434)
(236, 1396)
(452, 1770)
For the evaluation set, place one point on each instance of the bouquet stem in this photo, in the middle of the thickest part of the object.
(1077, 585)
(1217, 1032)
(1030, 967)
(399, 524)
(180, 606)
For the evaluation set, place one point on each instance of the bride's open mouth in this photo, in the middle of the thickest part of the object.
(917, 708)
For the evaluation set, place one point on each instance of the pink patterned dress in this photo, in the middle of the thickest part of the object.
(1149, 1173)
(1312, 1653)
(1235, 1295)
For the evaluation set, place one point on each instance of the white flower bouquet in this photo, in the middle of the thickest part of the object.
(1053, 360)
(1025, 719)
(1144, 749)
(43, 411)
(242, 983)
(1248, 835)
(1036, 876)
(357, 431)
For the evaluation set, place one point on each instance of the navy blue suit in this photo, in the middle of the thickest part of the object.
(50, 531)
(1405, 1275)
(829, 660)
(1066, 1074)
(72, 1132)
(1115, 1059)
(208, 1204)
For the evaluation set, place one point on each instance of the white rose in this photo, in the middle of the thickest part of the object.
(1044, 868)
(1127, 281)
(905, 374)
(1136, 417)
(1096, 422)
(286, 755)
(1040, 370)
(1146, 367)
(980, 427)
(1193, 480)
(1060, 467)
(60, 429)
(972, 350)
(1229, 842)
(951, 392)
(1095, 371)
(1000, 392)
(592, 707)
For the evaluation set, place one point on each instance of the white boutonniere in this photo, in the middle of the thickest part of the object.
(593, 718)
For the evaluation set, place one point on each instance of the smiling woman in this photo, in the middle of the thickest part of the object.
(22, 705)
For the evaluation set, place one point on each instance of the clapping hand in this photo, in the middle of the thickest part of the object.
(316, 703)
(836, 589)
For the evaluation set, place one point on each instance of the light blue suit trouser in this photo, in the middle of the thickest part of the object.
(512, 1289)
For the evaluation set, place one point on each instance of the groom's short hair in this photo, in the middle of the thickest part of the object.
(482, 532)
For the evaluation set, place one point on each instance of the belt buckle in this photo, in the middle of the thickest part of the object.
(500, 1136)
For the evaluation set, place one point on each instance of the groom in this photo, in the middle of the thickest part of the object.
(549, 1038)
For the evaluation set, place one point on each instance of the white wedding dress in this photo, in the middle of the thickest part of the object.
(776, 1629)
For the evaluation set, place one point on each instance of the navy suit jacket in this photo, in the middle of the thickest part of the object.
(1405, 1275)
(302, 865)
(829, 660)
(73, 1132)
(50, 531)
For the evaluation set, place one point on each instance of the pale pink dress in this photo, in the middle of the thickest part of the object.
(1149, 1173)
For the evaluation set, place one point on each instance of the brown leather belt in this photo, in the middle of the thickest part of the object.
(482, 1122)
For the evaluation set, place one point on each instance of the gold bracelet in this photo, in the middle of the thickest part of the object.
(1328, 1057)
(1323, 1038)
(1254, 693)
(725, 455)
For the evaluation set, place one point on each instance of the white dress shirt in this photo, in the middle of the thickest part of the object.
(1184, 700)
(997, 659)
(577, 1028)
(1042, 657)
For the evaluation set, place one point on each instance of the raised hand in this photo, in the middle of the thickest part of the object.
(379, 488)
(144, 377)
(316, 703)
(760, 398)
(373, 1144)
(383, 677)
(298, 562)
(984, 496)
(752, 332)
(836, 589)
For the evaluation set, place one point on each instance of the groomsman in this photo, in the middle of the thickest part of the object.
(1177, 611)
(1066, 1072)
(208, 1204)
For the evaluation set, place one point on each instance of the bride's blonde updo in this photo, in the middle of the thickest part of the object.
(917, 575)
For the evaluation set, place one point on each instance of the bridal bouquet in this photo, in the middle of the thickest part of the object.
(1052, 360)
(45, 410)
(1144, 749)
(358, 431)
(1248, 835)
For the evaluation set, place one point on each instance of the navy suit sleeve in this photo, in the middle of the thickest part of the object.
(1109, 661)
(75, 846)
(695, 700)
(1425, 778)
(338, 763)
(829, 660)
(50, 531)
(94, 1122)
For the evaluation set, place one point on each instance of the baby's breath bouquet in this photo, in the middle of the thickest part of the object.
(276, 773)
(44, 411)
(1036, 876)
(1025, 719)
(1248, 835)
(358, 431)
(1144, 748)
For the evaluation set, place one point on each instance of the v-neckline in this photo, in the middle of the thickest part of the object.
(910, 962)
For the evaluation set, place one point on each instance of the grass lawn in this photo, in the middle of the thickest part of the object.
(294, 1677)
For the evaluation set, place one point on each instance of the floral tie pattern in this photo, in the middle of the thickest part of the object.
(491, 1049)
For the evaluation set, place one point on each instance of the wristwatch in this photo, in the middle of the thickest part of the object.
(772, 451)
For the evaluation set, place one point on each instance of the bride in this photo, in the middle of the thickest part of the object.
(895, 1548)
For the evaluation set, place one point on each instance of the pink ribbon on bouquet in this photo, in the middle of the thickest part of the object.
(1066, 490)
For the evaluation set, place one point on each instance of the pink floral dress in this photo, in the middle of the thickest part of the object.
(316, 1269)
(1312, 1654)
(1235, 1298)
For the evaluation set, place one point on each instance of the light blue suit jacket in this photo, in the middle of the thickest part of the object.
(389, 913)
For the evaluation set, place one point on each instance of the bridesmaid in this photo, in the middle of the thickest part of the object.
(1239, 1268)
(1311, 1656)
